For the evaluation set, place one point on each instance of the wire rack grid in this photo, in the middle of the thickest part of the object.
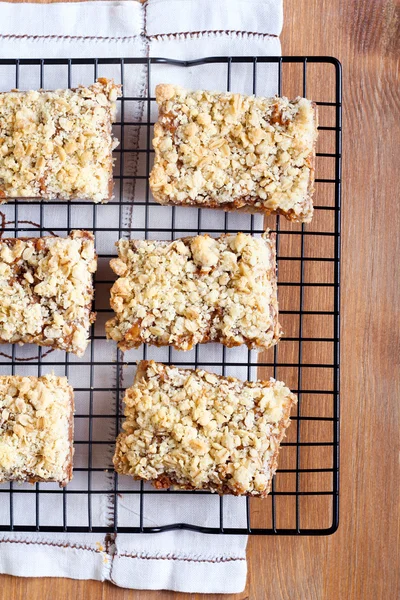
(304, 497)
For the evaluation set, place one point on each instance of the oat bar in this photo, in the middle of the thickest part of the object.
(224, 150)
(36, 429)
(46, 290)
(195, 290)
(199, 431)
(58, 144)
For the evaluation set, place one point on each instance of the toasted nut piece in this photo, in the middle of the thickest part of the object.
(61, 153)
(70, 147)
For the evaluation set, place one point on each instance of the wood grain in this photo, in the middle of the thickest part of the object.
(361, 561)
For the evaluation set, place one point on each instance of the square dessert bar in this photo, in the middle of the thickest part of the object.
(195, 290)
(36, 429)
(46, 291)
(58, 145)
(223, 150)
(199, 431)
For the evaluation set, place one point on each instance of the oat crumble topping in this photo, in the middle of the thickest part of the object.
(46, 290)
(36, 429)
(195, 290)
(224, 150)
(58, 144)
(197, 430)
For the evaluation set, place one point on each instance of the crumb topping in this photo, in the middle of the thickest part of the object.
(35, 428)
(196, 430)
(233, 151)
(58, 144)
(46, 290)
(195, 290)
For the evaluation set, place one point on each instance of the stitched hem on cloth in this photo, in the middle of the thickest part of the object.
(135, 138)
(172, 557)
(127, 38)
(52, 544)
(217, 559)
(114, 554)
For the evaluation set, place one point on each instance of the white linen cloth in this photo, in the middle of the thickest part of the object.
(184, 29)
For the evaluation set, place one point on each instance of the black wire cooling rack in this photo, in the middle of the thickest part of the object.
(304, 497)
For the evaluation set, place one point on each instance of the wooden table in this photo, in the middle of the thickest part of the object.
(361, 561)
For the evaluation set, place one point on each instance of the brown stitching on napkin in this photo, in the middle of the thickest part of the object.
(186, 34)
(4, 222)
(156, 36)
(109, 541)
(29, 357)
(219, 559)
(53, 544)
(172, 557)
(136, 130)
(13, 36)
(26, 222)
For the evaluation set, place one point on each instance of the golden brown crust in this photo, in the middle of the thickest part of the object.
(199, 431)
(232, 152)
(36, 429)
(196, 290)
(70, 461)
(46, 290)
(58, 144)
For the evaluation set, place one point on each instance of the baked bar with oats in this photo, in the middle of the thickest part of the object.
(46, 291)
(234, 152)
(58, 144)
(195, 290)
(36, 429)
(198, 431)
